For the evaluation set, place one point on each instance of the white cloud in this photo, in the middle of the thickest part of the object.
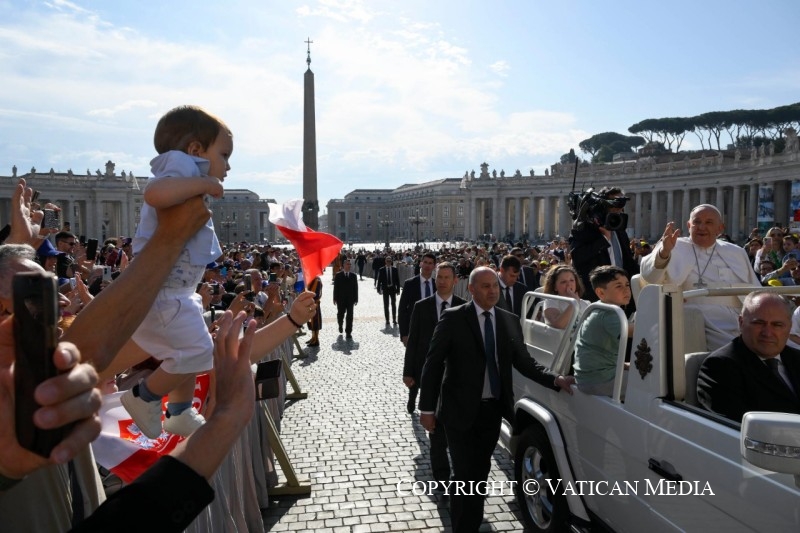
(500, 68)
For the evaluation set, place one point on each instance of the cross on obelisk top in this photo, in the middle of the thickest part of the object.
(308, 58)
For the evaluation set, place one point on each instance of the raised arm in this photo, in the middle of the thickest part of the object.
(272, 335)
(167, 192)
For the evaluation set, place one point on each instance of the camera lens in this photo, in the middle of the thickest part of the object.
(615, 221)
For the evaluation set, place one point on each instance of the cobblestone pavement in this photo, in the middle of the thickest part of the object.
(354, 439)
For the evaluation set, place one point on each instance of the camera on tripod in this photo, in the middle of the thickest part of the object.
(589, 208)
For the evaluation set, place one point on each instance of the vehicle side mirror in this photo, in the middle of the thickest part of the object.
(770, 441)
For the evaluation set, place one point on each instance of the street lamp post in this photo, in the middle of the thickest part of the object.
(227, 223)
(386, 223)
(417, 220)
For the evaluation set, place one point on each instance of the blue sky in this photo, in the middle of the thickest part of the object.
(406, 91)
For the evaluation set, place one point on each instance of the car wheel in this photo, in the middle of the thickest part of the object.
(543, 510)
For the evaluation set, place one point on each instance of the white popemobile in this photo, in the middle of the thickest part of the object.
(648, 458)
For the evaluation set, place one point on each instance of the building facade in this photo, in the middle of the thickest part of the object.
(102, 205)
(750, 189)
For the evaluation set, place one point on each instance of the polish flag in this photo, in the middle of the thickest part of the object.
(316, 249)
(124, 450)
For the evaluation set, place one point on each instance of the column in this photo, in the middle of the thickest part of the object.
(736, 198)
(548, 220)
(564, 220)
(128, 225)
(503, 229)
(720, 204)
(670, 208)
(703, 195)
(472, 219)
(653, 229)
(638, 220)
(752, 201)
(685, 207)
(495, 216)
(533, 227)
(518, 229)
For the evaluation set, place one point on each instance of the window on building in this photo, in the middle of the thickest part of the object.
(446, 211)
(357, 215)
(460, 211)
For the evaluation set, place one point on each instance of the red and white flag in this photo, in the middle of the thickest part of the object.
(315, 248)
(124, 450)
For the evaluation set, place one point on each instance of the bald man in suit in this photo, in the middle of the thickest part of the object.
(466, 384)
(739, 377)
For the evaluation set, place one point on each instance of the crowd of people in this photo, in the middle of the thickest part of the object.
(453, 301)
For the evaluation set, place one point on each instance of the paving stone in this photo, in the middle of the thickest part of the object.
(354, 440)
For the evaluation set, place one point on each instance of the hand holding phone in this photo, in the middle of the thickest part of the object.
(91, 249)
(35, 296)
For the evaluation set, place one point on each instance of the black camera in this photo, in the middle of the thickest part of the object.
(589, 208)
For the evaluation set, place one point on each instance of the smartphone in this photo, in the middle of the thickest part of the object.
(215, 289)
(199, 286)
(35, 296)
(91, 249)
(273, 277)
(107, 273)
(248, 288)
(63, 262)
(82, 240)
(52, 219)
(34, 196)
(4, 233)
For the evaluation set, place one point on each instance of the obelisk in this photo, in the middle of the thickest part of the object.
(311, 205)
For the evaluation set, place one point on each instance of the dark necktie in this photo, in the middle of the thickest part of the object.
(427, 288)
(773, 365)
(441, 311)
(617, 250)
(488, 347)
(389, 275)
(508, 299)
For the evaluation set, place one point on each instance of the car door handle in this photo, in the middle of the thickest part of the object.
(666, 470)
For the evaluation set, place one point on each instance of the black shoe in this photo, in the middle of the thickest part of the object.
(394, 322)
(387, 323)
(410, 407)
(341, 330)
(349, 337)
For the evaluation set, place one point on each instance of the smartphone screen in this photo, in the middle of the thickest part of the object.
(35, 335)
(91, 249)
(273, 277)
(51, 219)
(248, 283)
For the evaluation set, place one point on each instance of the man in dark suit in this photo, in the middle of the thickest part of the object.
(414, 289)
(389, 287)
(345, 296)
(423, 321)
(466, 382)
(511, 290)
(755, 371)
(378, 263)
(527, 275)
(594, 245)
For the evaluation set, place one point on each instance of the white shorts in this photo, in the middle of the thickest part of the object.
(175, 332)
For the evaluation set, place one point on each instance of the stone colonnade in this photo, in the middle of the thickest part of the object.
(537, 206)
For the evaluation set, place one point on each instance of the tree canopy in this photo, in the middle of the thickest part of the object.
(741, 125)
(603, 146)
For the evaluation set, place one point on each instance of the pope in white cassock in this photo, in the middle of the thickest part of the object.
(702, 261)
